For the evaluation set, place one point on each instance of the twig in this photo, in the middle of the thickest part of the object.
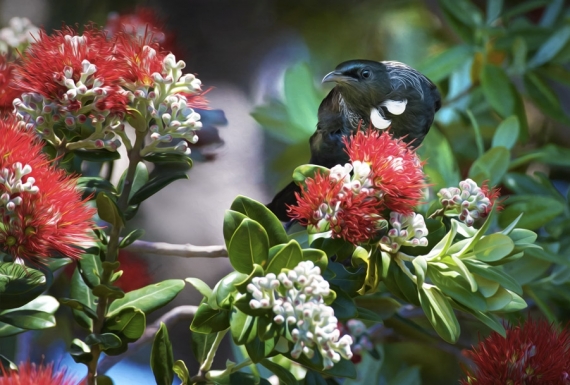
(169, 319)
(185, 251)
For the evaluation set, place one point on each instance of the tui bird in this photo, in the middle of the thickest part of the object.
(387, 95)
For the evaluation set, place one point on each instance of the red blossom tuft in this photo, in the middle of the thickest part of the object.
(32, 374)
(51, 220)
(135, 272)
(492, 194)
(396, 169)
(7, 92)
(348, 216)
(41, 69)
(536, 353)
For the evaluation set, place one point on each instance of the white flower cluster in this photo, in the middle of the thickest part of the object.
(74, 108)
(19, 33)
(360, 182)
(357, 330)
(13, 184)
(168, 106)
(314, 326)
(469, 201)
(406, 230)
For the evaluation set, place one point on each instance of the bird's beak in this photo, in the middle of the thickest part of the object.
(337, 77)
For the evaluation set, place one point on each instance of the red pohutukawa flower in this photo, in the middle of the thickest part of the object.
(42, 214)
(395, 170)
(536, 353)
(61, 65)
(7, 92)
(32, 374)
(387, 175)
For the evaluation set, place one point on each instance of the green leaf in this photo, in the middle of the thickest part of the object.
(79, 306)
(368, 315)
(262, 215)
(128, 324)
(497, 90)
(538, 211)
(249, 245)
(108, 291)
(551, 47)
(544, 97)
(493, 247)
(131, 237)
(385, 307)
(258, 349)
(182, 372)
(452, 284)
(209, 320)
(439, 313)
(80, 352)
(288, 257)
(493, 274)
(161, 357)
(108, 210)
(28, 319)
(19, 285)
(201, 344)
(243, 327)
(232, 220)
(106, 340)
(491, 166)
(440, 66)
(201, 286)
(91, 269)
(442, 167)
(318, 257)
(91, 186)
(226, 288)
(507, 133)
(285, 376)
(343, 305)
(6, 365)
(155, 185)
(494, 8)
(43, 303)
(308, 171)
(169, 158)
(98, 156)
(148, 298)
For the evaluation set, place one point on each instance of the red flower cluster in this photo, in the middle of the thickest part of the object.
(388, 175)
(32, 374)
(44, 66)
(41, 212)
(535, 353)
(7, 93)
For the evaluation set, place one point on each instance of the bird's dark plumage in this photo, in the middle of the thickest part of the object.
(388, 95)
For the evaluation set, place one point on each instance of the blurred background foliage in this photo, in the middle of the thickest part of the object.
(502, 68)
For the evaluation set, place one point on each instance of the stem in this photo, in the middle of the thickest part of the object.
(406, 270)
(243, 364)
(185, 251)
(112, 252)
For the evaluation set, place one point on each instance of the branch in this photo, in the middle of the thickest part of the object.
(185, 251)
(170, 318)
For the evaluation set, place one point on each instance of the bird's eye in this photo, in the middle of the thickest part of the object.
(365, 74)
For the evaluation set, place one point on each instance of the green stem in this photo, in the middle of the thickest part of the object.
(406, 270)
(112, 253)
(243, 364)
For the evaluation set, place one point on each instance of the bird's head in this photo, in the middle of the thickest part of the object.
(362, 83)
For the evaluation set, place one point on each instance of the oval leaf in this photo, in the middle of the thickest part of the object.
(148, 298)
(161, 357)
(249, 245)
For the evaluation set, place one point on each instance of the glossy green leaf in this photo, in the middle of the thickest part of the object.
(105, 340)
(232, 220)
(91, 269)
(28, 319)
(201, 344)
(226, 288)
(129, 324)
(440, 66)
(285, 376)
(243, 327)
(452, 284)
(507, 133)
(308, 171)
(439, 313)
(97, 156)
(343, 305)
(182, 372)
(156, 184)
(499, 300)
(79, 306)
(287, 257)
(249, 245)
(494, 274)
(544, 97)
(91, 186)
(493, 247)
(538, 211)
(108, 210)
(551, 47)
(262, 215)
(209, 320)
(491, 166)
(131, 237)
(318, 257)
(80, 352)
(6, 364)
(148, 298)
(19, 285)
(497, 90)
(437, 149)
(258, 349)
(161, 357)
(108, 291)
